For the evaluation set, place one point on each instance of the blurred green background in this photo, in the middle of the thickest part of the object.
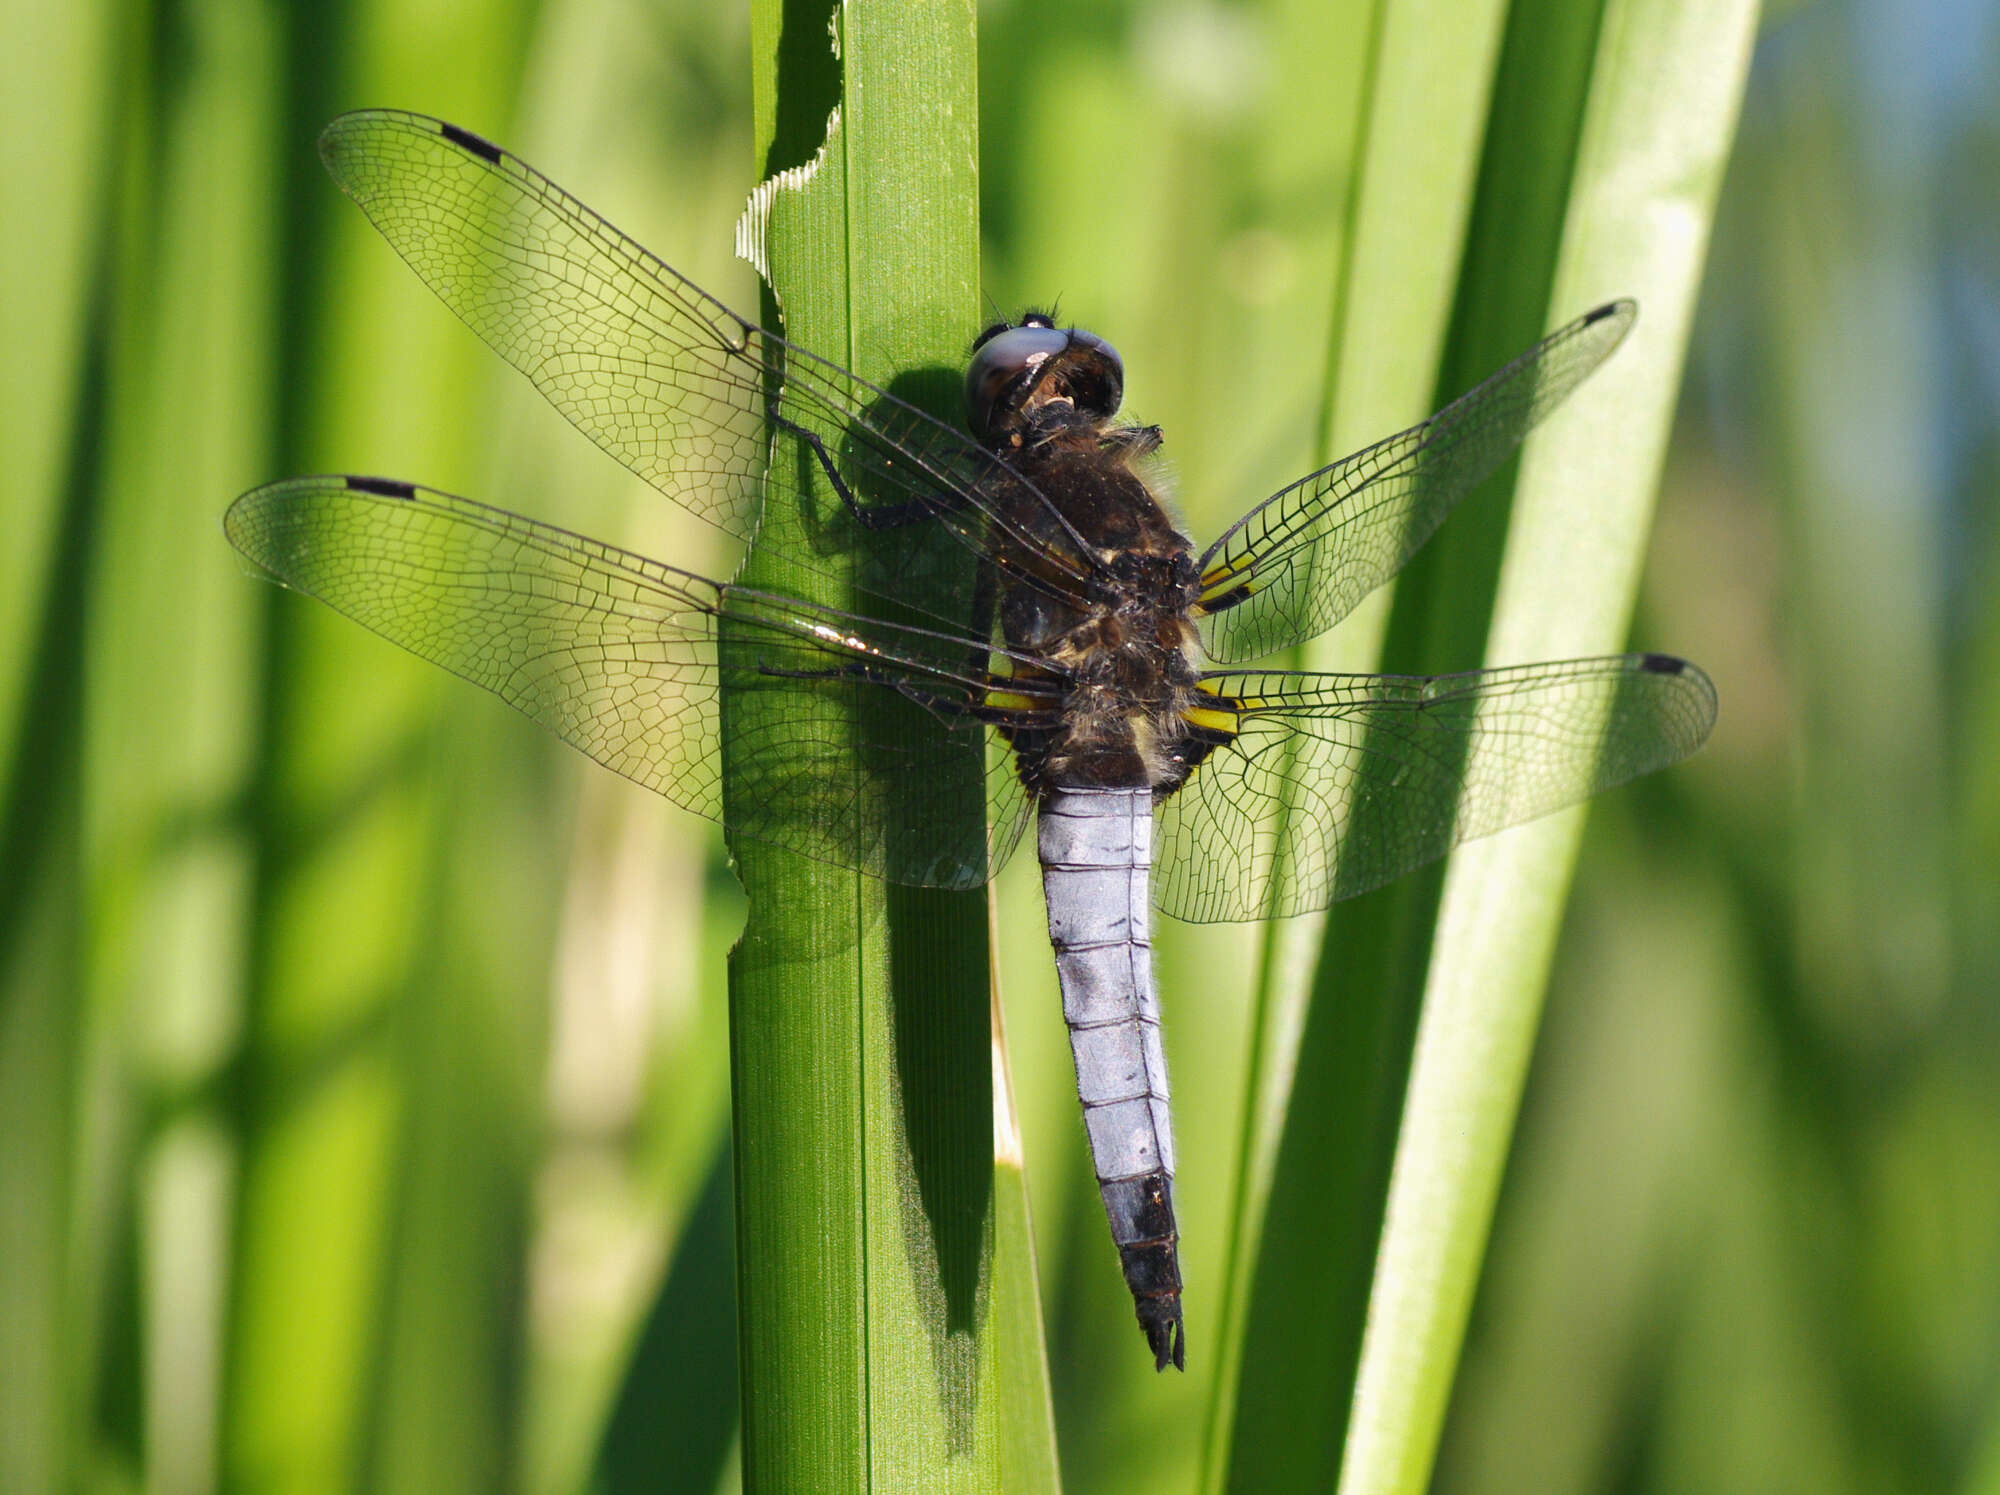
(363, 1061)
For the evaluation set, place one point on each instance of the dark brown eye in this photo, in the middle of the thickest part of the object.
(1011, 363)
(1006, 365)
(1094, 374)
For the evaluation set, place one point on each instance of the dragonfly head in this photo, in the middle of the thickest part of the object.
(1019, 371)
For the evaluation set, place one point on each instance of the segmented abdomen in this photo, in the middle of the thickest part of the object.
(1097, 851)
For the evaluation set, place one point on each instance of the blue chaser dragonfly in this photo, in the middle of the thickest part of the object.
(1026, 607)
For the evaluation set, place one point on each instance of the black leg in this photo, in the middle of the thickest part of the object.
(876, 518)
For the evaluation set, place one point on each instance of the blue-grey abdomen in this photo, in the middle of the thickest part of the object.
(1097, 851)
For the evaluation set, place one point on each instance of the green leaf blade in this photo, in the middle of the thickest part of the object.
(874, 1224)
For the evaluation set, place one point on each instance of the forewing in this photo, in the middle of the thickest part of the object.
(628, 660)
(670, 381)
(1301, 560)
(1336, 784)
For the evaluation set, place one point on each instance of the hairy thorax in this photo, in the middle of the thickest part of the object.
(1129, 654)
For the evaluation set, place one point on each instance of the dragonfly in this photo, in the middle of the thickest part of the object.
(1023, 625)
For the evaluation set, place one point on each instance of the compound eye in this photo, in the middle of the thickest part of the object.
(1096, 374)
(1007, 364)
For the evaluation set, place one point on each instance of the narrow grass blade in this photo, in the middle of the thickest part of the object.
(1666, 80)
(56, 85)
(864, 1103)
(1277, 1420)
(386, 1085)
(1332, 1178)
(171, 693)
(58, 77)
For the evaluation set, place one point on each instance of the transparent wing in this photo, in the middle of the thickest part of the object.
(671, 382)
(628, 660)
(1303, 558)
(1336, 784)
